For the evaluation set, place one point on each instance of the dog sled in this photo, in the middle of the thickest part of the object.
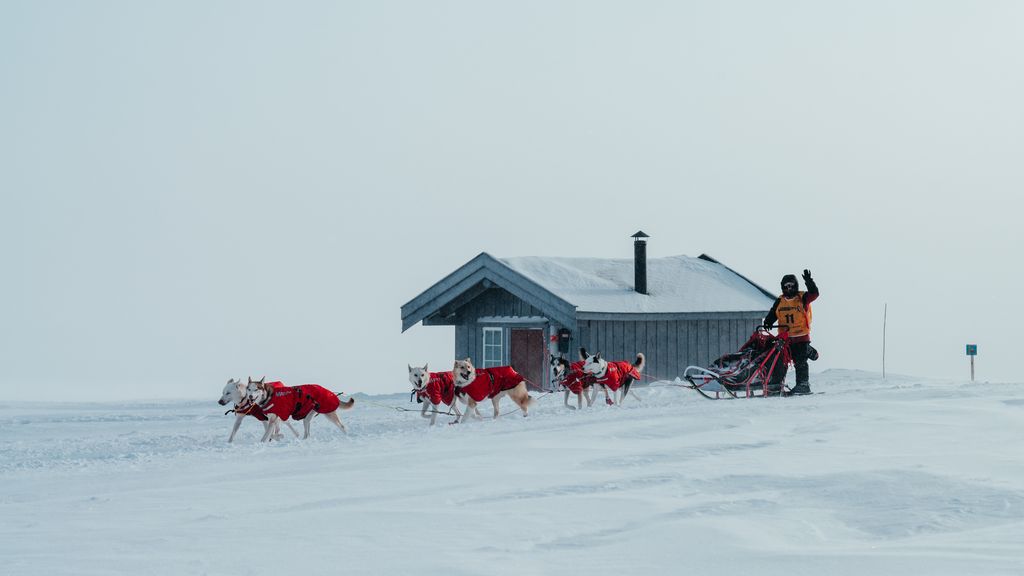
(746, 373)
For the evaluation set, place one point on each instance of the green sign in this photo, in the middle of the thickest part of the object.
(972, 349)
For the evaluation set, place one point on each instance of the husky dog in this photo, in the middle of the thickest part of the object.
(234, 393)
(614, 376)
(434, 389)
(474, 385)
(279, 402)
(574, 380)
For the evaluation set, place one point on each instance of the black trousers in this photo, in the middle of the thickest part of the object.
(798, 350)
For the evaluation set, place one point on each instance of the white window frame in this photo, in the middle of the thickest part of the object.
(489, 360)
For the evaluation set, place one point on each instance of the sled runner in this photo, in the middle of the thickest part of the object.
(746, 373)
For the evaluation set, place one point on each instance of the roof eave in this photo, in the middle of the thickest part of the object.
(486, 267)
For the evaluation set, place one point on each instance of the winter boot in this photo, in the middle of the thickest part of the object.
(800, 389)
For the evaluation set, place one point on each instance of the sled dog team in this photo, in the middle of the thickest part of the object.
(273, 402)
(469, 386)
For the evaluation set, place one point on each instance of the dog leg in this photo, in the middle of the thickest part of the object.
(238, 422)
(471, 409)
(460, 415)
(333, 417)
(521, 396)
(271, 423)
(497, 410)
(290, 427)
(433, 411)
(626, 389)
(591, 395)
(274, 429)
(567, 405)
(306, 422)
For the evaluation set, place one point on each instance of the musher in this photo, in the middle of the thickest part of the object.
(792, 312)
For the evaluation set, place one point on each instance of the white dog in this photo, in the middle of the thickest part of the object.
(280, 402)
(614, 376)
(434, 389)
(234, 393)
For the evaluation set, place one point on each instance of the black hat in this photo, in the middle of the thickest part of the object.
(788, 278)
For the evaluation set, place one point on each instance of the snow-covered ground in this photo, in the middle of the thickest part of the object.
(903, 476)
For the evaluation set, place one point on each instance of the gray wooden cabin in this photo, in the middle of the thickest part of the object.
(678, 310)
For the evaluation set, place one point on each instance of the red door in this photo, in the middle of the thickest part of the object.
(527, 355)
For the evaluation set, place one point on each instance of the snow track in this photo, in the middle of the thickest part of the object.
(875, 477)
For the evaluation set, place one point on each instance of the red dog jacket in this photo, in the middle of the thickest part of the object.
(440, 388)
(616, 375)
(490, 382)
(575, 378)
(298, 401)
(254, 410)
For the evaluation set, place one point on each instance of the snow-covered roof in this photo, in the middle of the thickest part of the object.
(675, 284)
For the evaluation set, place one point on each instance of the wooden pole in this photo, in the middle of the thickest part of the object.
(885, 315)
(972, 368)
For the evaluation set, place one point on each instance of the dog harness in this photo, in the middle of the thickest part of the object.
(254, 409)
(616, 374)
(298, 401)
(575, 379)
(439, 389)
(489, 382)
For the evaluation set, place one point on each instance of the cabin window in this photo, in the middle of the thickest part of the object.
(493, 347)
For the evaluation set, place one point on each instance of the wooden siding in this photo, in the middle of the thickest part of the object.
(465, 336)
(496, 302)
(670, 346)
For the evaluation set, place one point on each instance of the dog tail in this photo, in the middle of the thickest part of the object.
(640, 362)
(348, 405)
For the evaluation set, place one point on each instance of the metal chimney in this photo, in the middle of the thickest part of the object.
(640, 262)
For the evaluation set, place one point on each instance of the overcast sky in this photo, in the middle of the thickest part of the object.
(193, 191)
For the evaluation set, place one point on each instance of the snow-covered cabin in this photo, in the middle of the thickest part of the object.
(677, 310)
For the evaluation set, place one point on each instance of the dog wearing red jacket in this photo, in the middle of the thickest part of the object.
(434, 389)
(473, 385)
(281, 402)
(614, 376)
(234, 393)
(574, 380)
